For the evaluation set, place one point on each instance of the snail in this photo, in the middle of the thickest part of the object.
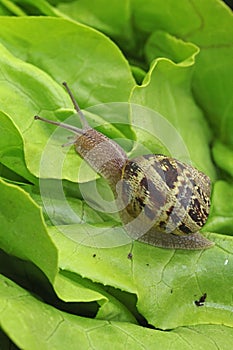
(164, 202)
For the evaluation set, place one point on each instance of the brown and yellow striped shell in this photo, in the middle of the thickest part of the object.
(170, 198)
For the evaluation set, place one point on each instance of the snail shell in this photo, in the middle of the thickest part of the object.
(170, 198)
(165, 201)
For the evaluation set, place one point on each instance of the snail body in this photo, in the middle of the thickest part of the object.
(165, 202)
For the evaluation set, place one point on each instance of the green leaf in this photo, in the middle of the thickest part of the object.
(10, 176)
(8, 7)
(33, 324)
(11, 148)
(98, 14)
(107, 266)
(39, 7)
(23, 233)
(165, 281)
(223, 156)
(64, 49)
(34, 91)
(167, 90)
(221, 215)
(63, 203)
(188, 80)
(162, 44)
(70, 287)
(195, 22)
(180, 278)
(21, 83)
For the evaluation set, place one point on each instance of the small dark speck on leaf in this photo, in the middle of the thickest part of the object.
(201, 301)
(130, 256)
(94, 255)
